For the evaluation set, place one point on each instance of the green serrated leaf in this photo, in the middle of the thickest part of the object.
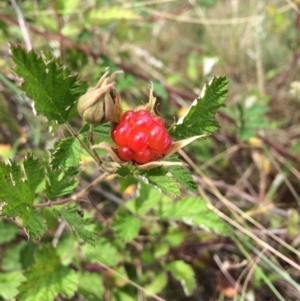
(34, 172)
(60, 182)
(9, 283)
(194, 211)
(34, 223)
(126, 226)
(200, 116)
(52, 88)
(48, 278)
(66, 153)
(123, 171)
(18, 184)
(183, 273)
(78, 224)
(158, 177)
(104, 252)
(183, 177)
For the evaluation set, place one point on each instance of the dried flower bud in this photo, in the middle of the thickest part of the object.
(101, 103)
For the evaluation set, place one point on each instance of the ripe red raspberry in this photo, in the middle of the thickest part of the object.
(141, 137)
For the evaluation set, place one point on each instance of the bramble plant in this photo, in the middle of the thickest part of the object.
(131, 148)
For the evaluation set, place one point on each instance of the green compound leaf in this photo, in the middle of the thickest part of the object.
(51, 87)
(66, 153)
(79, 224)
(18, 184)
(194, 211)
(60, 182)
(126, 226)
(183, 273)
(200, 116)
(9, 283)
(48, 278)
(158, 177)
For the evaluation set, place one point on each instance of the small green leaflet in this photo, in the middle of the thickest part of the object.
(123, 171)
(79, 224)
(184, 273)
(18, 184)
(66, 153)
(251, 119)
(51, 87)
(183, 177)
(48, 278)
(160, 280)
(200, 117)
(158, 177)
(9, 283)
(60, 182)
(34, 172)
(194, 211)
(101, 130)
(126, 226)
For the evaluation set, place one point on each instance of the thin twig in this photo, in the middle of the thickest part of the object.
(58, 233)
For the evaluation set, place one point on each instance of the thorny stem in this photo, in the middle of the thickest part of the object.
(89, 151)
(75, 197)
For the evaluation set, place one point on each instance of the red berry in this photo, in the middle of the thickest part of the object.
(158, 121)
(162, 149)
(127, 116)
(125, 153)
(157, 136)
(138, 140)
(121, 133)
(141, 137)
(143, 157)
(142, 118)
